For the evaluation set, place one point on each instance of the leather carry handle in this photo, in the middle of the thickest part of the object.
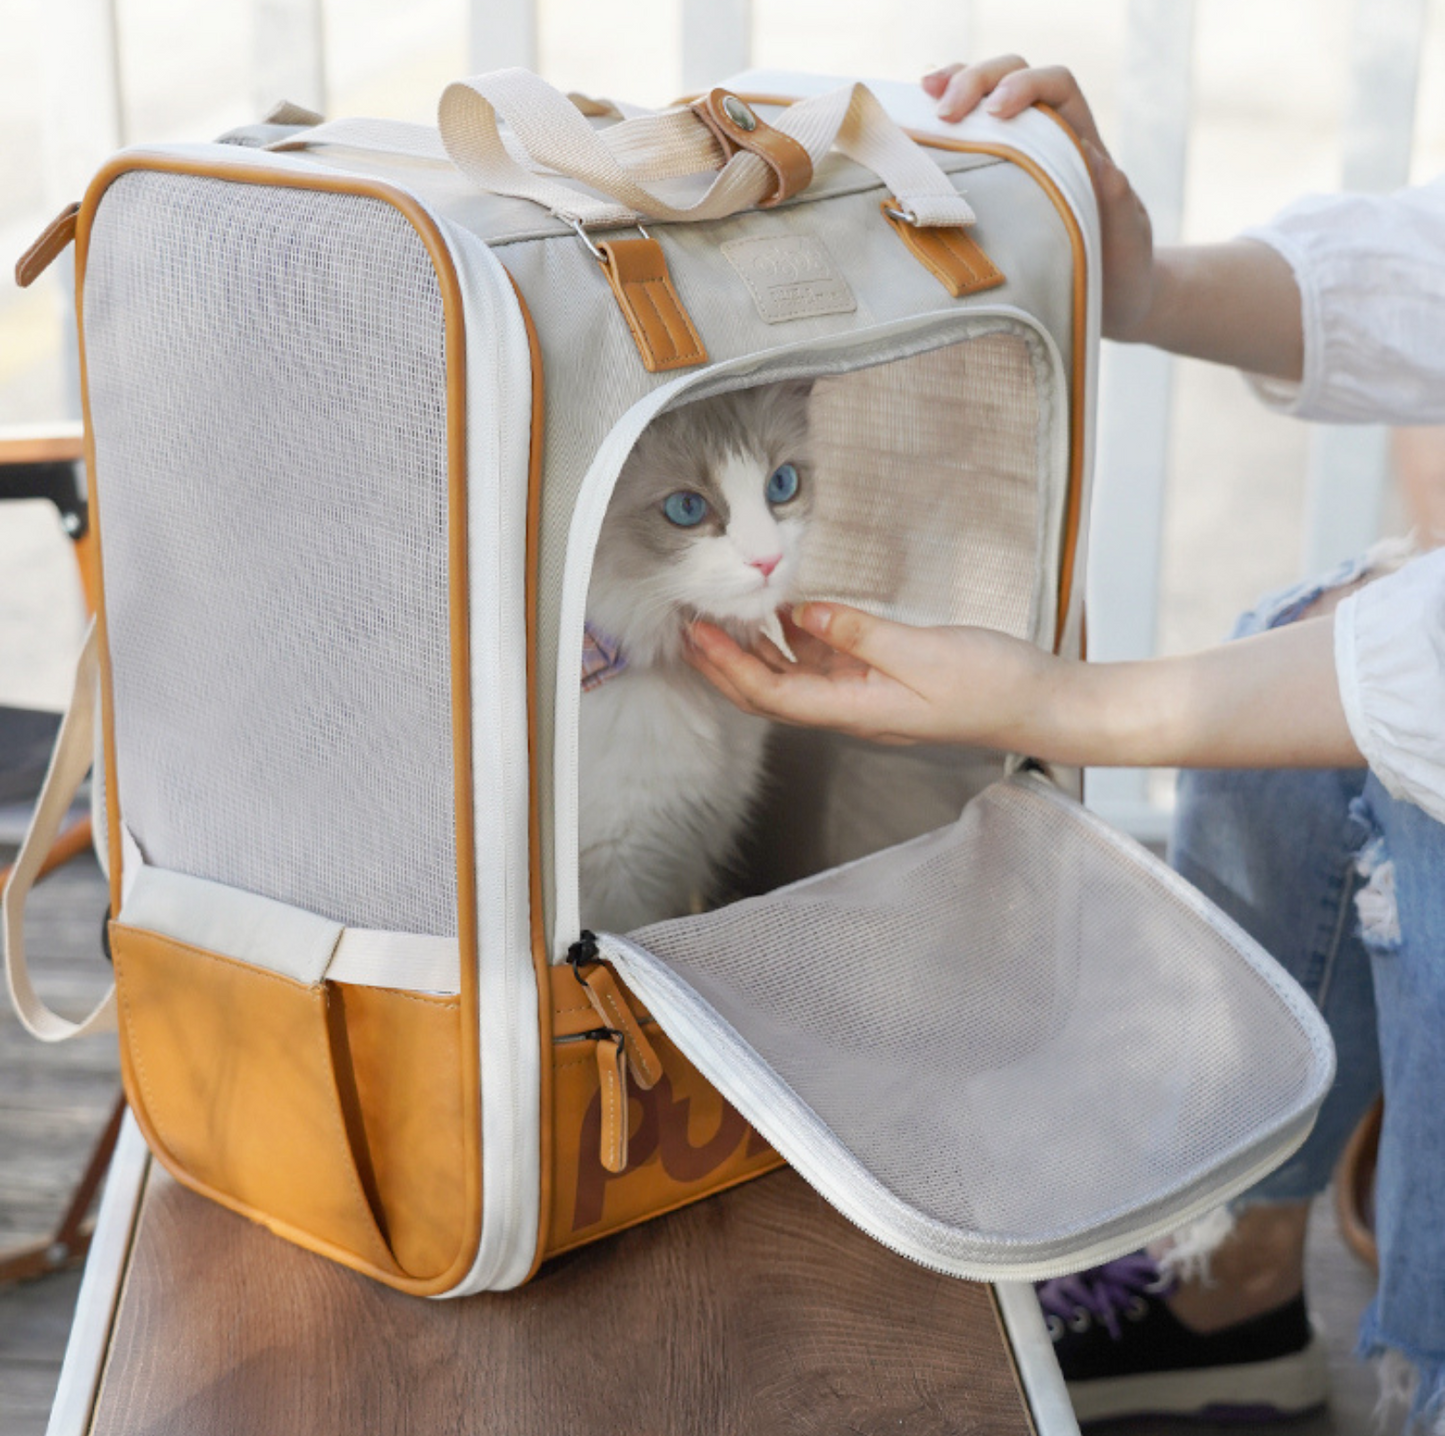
(70, 762)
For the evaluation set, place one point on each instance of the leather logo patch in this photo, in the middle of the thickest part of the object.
(791, 277)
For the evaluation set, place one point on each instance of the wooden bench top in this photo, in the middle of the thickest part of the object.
(760, 1310)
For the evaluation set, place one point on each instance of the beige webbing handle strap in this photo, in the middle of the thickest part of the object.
(407, 140)
(69, 764)
(554, 136)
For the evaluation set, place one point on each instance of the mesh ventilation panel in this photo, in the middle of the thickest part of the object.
(927, 509)
(1022, 1027)
(267, 390)
(927, 497)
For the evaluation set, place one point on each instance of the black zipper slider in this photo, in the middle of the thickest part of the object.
(583, 951)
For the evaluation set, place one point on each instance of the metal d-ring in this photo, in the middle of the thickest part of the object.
(587, 238)
(902, 215)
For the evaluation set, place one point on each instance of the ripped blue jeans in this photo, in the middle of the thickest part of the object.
(1345, 886)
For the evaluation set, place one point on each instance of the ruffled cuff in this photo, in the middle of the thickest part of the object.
(1283, 395)
(1390, 666)
(1372, 305)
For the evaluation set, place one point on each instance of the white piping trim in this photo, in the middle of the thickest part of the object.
(499, 438)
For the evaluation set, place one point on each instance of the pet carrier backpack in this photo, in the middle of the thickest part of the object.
(356, 396)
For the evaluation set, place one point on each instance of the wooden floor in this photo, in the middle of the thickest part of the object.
(53, 1101)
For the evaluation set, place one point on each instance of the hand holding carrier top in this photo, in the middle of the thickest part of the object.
(355, 407)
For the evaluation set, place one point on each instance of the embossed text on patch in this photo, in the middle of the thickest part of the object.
(791, 277)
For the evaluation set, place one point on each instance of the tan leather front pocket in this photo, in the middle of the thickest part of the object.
(406, 1062)
(231, 1071)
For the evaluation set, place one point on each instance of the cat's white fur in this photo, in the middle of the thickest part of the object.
(668, 767)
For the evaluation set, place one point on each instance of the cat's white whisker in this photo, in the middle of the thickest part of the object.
(773, 632)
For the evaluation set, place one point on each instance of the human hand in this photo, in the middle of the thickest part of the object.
(1008, 85)
(888, 682)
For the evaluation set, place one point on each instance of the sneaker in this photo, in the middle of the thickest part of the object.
(1124, 1353)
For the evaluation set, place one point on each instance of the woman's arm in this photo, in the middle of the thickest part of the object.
(1265, 702)
(1234, 303)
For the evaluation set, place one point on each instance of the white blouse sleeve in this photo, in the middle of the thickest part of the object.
(1371, 274)
(1390, 663)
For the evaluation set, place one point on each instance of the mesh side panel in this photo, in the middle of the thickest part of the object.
(267, 391)
(927, 497)
(1013, 1023)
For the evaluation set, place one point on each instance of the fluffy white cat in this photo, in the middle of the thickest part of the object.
(708, 519)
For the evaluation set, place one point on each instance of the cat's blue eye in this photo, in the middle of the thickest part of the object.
(783, 485)
(685, 508)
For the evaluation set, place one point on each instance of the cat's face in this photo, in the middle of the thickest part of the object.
(709, 515)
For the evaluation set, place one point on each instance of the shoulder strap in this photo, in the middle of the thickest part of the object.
(69, 764)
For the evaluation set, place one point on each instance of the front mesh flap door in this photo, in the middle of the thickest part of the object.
(1013, 1047)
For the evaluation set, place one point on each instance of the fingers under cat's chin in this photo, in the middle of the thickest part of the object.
(744, 618)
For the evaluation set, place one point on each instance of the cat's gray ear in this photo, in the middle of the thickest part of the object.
(797, 388)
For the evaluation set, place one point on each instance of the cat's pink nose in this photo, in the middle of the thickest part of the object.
(767, 565)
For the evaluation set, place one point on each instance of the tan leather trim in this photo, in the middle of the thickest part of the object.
(469, 1073)
(611, 1056)
(637, 271)
(1073, 506)
(541, 961)
(952, 256)
(86, 559)
(50, 244)
(790, 163)
(1050, 112)
(612, 1009)
(572, 1009)
(1073, 514)
(84, 220)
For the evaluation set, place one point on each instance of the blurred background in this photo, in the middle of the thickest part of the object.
(1222, 109)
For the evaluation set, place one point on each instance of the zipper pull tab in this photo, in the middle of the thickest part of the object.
(612, 1074)
(605, 995)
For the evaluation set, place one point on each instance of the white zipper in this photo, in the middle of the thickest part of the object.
(728, 1061)
(731, 1065)
(886, 342)
(508, 1033)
